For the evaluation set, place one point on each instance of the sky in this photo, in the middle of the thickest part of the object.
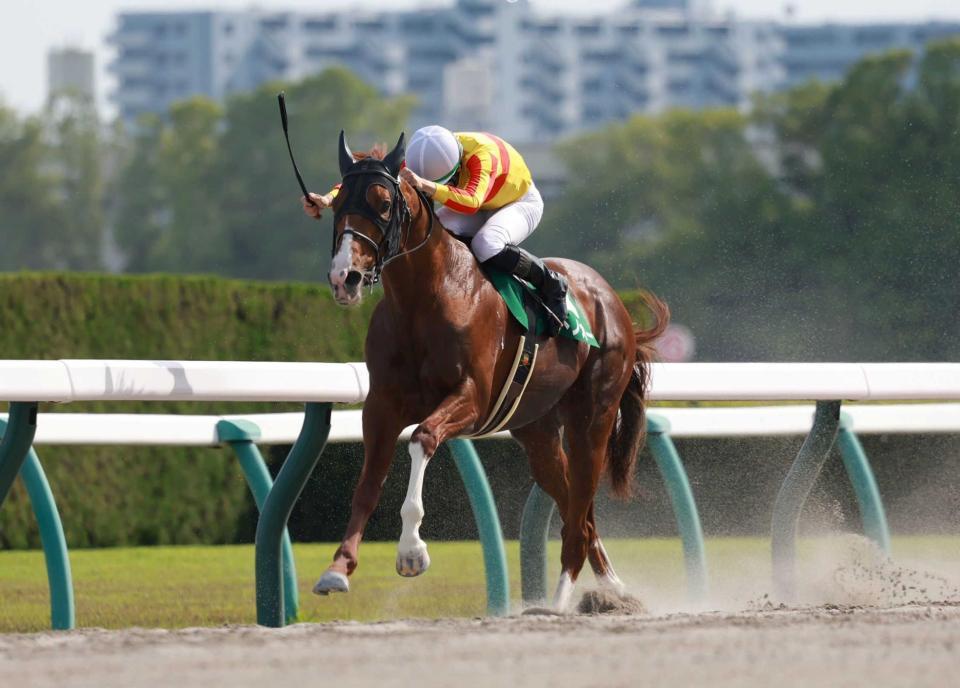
(29, 28)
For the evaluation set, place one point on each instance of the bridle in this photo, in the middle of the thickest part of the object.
(390, 246)
(394, 230)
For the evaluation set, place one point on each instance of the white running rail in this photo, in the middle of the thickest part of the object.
(283, 428)
(93, 380)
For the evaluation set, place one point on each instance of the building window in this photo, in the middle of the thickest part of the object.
(874, 37)
(320, 24)
(673, 30)
(810, 37)
(599, 55)
(592, 113)
(422, 83)
(685, 57)
(417, 24)
(478, 10)
(274, 23)
(370, 26)
(593, 86)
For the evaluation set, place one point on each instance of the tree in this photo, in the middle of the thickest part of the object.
(172, 191)
(823, 226)
(210, 189)
(269, 235)
(31, 216)
(74, 149)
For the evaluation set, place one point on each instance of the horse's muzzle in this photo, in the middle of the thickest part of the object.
(346, 289)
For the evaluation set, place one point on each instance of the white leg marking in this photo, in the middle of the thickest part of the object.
(611, 582)
(610, 579)
(561, 599)
(412, 557)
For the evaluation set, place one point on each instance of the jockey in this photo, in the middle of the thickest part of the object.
(487, 195)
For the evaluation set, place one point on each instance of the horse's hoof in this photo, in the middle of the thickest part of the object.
(414, 562)
(331, 581)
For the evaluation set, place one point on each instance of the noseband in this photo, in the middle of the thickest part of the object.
(394, 230)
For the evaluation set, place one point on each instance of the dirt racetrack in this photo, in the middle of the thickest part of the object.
(830, 645)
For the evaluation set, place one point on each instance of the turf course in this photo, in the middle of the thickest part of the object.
(186, 586)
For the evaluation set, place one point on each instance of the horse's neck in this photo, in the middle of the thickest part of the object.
(417, 280)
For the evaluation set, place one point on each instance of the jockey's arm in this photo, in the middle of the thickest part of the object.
(470, 197)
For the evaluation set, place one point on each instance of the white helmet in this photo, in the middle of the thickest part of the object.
(434, 154)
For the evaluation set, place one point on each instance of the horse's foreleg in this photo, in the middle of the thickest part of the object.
(457, 412)
(381, 426)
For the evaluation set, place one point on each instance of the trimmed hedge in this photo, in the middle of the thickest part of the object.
(157, 495)
(126, 496)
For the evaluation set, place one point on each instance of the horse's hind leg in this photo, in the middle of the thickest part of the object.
(600, 560)
(588, 440)
(542, 442)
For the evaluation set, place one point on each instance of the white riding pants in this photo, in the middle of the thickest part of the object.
(492, 230)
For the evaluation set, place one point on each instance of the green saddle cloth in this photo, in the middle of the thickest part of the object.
(514, 291)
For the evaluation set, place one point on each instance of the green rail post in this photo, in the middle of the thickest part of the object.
(241, 436)
(534, 531)
(684, 506)
(21, 429)
(535, 522)
(794, 492)
(63, 615)
(858, 469)
(279, 503)
(62, 609)
(488, 525)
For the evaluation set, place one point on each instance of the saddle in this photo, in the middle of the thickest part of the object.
(529, 311)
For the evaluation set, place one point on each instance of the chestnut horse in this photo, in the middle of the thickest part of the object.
(439, 348)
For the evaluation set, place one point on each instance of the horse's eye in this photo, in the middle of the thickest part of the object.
(384, 207)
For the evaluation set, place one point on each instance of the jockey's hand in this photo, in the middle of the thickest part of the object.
(315, 205)
(411, 178)
(418, 183)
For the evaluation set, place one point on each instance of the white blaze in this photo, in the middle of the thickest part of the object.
(342, 261)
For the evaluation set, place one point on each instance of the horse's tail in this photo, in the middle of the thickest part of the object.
(631, 426)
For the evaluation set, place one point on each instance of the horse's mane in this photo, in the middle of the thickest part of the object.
(377, 152)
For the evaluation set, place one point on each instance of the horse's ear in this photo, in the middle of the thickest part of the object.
(346, 155)
(394, 159)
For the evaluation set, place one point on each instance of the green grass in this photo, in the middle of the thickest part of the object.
(184, 586)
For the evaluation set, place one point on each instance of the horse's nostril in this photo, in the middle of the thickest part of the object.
(353, 279)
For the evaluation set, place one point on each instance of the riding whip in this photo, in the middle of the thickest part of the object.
(286, 135)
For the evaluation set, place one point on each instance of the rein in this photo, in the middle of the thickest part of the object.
(395, 230)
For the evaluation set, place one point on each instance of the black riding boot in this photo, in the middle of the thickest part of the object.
(552, 286)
